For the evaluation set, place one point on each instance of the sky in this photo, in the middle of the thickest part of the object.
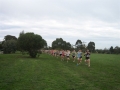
(87, 20)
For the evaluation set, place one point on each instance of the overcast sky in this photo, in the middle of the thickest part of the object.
(87, 20)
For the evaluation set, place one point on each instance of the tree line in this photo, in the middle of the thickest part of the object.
(26, 42)
(33, 43)
(111, 50)
(59, 43)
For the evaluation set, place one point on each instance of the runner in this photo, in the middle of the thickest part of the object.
(74, 55)
(68, 55)
(79, 56)
(57, 53)
(63, 55)
(87, 56)
(54, 53)
(60, 53)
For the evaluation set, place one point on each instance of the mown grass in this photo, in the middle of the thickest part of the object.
(18, 72)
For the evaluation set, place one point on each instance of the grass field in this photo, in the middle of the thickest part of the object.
(18, 72)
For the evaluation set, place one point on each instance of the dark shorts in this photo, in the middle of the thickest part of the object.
(80, 57)
(67, 56)
(60, 54)
(73, 56)
(87, 58)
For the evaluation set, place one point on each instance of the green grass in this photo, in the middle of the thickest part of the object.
(18, 72)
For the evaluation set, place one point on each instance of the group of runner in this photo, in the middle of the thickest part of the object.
(66, 54)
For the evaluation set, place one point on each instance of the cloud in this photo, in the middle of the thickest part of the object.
(87, 20)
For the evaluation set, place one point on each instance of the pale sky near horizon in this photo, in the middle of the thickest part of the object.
(86, 20)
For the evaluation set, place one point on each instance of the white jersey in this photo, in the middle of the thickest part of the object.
(68, 53)
(60, 52)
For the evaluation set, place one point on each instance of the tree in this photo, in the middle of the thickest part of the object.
(99, 50)
(1, 46)
(78, 44)
(21, 33)
(9, 46)
(9, 37)
(91, 46)
(59, 43)
(68, 46)
(106, 51)
(117, 50)
(45, 44)
(31, 43)
(111, 49)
